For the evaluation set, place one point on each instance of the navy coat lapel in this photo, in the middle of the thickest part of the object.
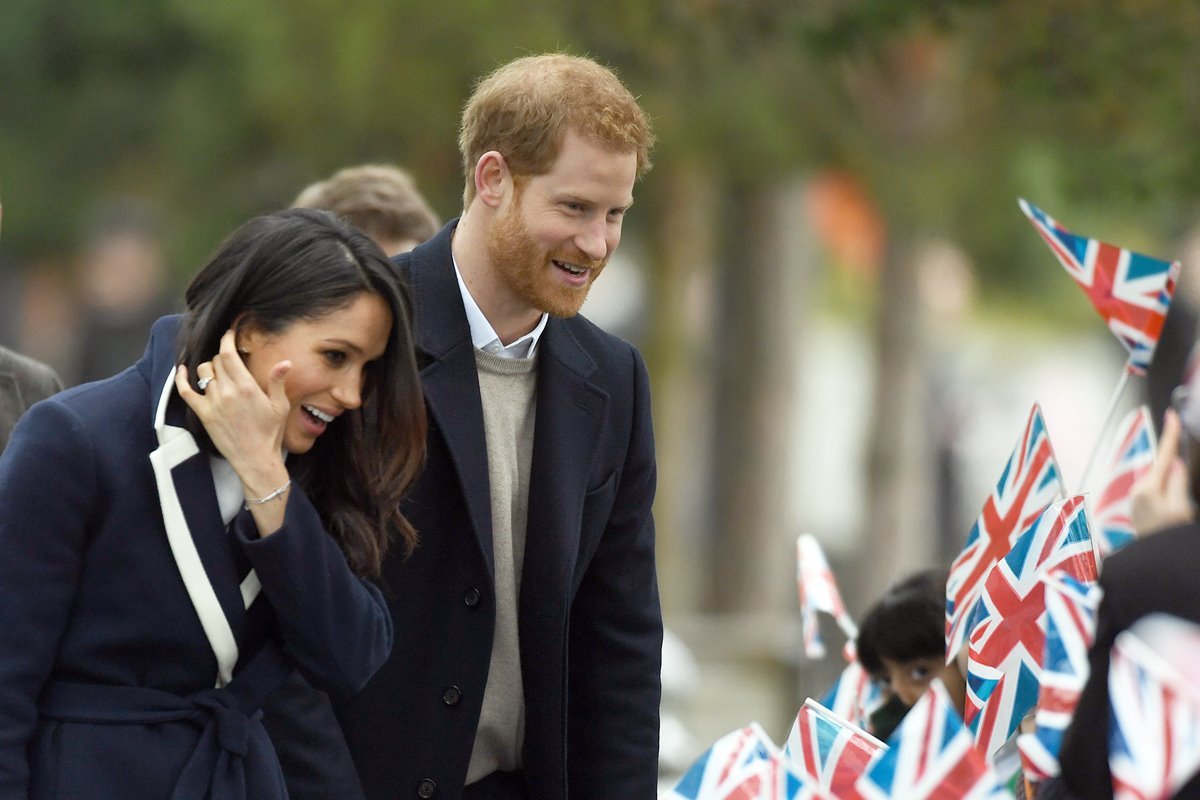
(450, 379)
(570, 414)
(193, 524)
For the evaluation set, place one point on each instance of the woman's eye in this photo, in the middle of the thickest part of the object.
(336, 357)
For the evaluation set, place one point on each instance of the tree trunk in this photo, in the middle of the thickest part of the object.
(765, 270)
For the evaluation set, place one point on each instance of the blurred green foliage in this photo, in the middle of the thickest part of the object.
(947, 110)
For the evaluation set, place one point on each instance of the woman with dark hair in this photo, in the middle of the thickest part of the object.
(177, 539)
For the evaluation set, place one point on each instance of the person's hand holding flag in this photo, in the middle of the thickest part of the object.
(1160, 496)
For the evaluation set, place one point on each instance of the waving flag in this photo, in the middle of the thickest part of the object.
(1130, 291)
(1154, 701)
(1030, 482)
(1070, 628)
(819, 592)
(1132, 455)
(830, 752)
(930, 756)
(855, 696)
(1007, 638)
(742, 765)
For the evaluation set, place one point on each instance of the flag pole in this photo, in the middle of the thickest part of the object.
(1108, 415)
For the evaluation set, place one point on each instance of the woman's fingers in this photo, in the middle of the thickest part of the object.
(275, 390)
(1168, 447)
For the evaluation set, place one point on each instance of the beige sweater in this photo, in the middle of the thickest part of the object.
(506, 387)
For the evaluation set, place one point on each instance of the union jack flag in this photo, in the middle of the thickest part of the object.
(742, 765)
(930, 757)
(830, 752)
(1154, 707)
(1070, 628)
(1132, 454)
(1130, 291)
(1007, 635)
(819, 592)
(855, 696)
(769, 779)
(1030, 482)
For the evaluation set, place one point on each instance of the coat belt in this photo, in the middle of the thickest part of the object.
(229, 718)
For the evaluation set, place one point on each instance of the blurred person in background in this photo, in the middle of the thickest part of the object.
(177, 539)
(123, 283)
(529, 632)
(380, 200)
(383, 202)
(23, 382)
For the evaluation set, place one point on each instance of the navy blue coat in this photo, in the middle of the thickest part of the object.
(590, 623)
(125, 602)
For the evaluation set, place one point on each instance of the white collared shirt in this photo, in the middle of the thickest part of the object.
(483, 335)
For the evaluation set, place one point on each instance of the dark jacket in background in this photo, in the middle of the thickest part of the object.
(23, 382)
(1157, 573)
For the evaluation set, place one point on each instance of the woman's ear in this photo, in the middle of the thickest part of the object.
(246, 335)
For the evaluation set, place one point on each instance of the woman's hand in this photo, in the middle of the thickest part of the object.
(1160, 496)
(245, 424)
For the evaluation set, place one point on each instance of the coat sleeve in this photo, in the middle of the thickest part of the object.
(47, 494)
(336, 625)
(616, 635)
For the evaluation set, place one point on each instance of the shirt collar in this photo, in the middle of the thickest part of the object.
(483, 335)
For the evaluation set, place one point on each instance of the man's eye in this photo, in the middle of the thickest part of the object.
(919, 674)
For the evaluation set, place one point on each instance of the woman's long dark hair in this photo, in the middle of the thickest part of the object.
(301, 264)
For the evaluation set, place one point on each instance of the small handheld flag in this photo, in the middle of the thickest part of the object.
(1030, 482)
(930, 756)
(829, 751)
(1130, 291)
(855, 696)
(1154, 706)
(819, 592)
(1132, 454)
(1007, 635)
(742, 765)
(1070, 628)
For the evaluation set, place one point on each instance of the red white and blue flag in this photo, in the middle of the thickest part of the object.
(1030, 482)
(1154, 704)
(1007, 636)
(819, 592)
(855, 696)
(742, 765)
(1070, 627)
(1132, 455)
(1130, 291)
(830, 752)
(930, 756)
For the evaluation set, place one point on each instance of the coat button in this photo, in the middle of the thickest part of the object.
(426, 788)
(471, 598)
(451, 695)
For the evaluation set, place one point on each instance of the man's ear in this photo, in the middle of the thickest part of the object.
(493, 180)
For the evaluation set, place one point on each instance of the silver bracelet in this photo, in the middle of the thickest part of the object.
(266, 497)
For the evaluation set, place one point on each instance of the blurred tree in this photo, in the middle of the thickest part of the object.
(944, 111)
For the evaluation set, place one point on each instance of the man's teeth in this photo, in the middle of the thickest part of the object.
(319, 414)
(571, 268)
